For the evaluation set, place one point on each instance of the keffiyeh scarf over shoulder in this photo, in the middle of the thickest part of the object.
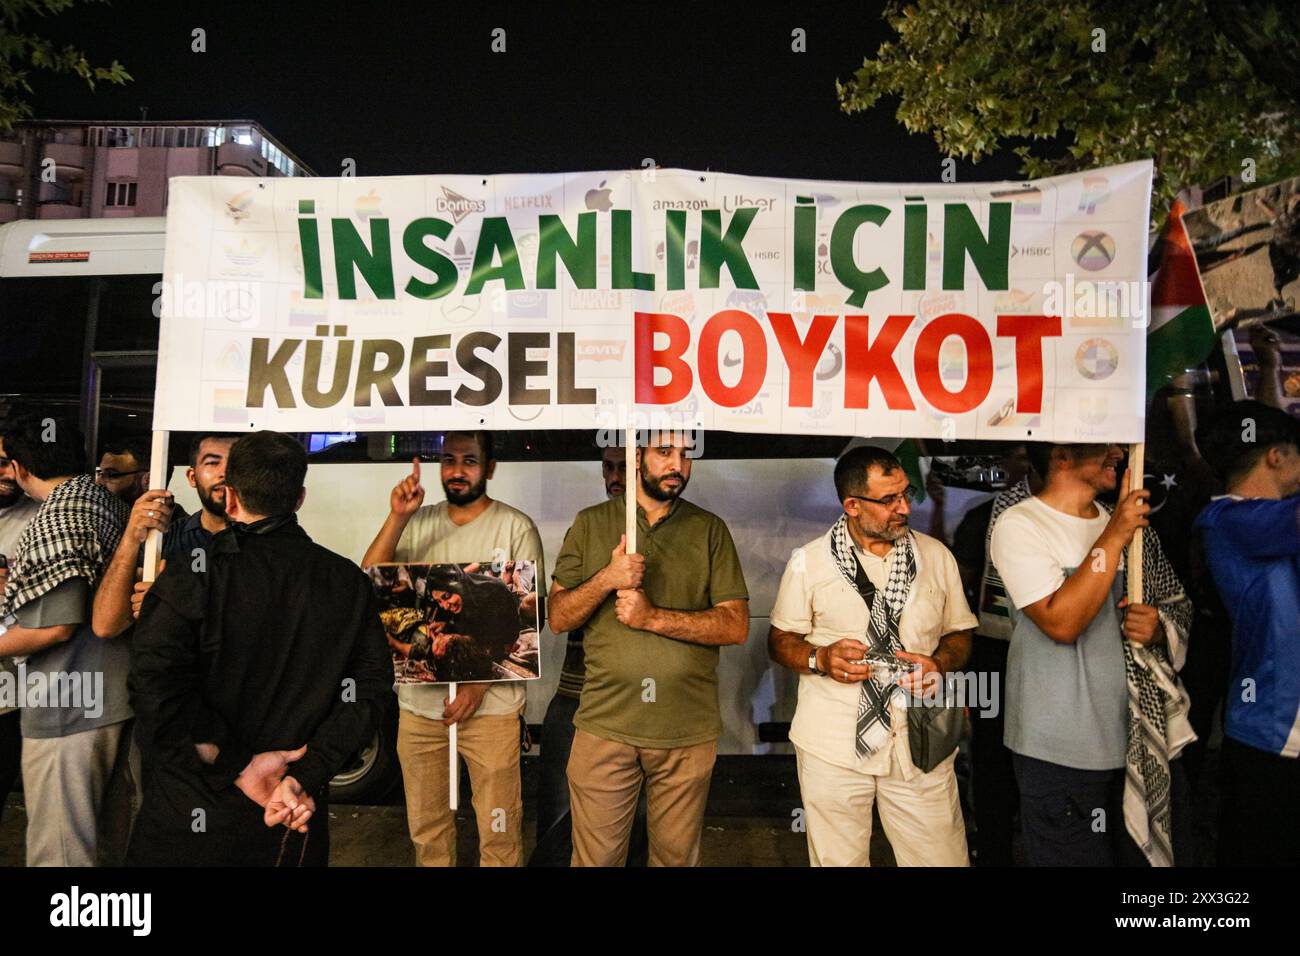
(885, 608)
(1158, 725)
(73, 535)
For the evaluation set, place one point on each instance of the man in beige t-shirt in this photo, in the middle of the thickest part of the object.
(821, 630)
(469, 526)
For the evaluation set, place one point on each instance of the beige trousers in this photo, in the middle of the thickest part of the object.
(922, 816)
(79, 792)
(605, 779)
(489, 745)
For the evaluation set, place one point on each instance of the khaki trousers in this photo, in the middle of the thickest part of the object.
(921, 816)
(489, 745)
(605, 779)
(78, 791)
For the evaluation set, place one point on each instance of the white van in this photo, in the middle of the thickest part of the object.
(78, 297)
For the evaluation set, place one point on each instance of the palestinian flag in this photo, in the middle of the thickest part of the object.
(1181, 333)
(909, 456)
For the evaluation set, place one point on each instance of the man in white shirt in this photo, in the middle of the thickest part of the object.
(1067, 715)
(469, 526)
(850, 728)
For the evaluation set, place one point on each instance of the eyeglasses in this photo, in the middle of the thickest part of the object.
(108, 474)
(908, 494)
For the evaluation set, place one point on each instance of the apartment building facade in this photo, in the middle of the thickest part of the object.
(72, 169)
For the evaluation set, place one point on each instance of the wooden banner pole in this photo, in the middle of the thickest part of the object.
(157, 479)
(1137, 469)
(631, 483)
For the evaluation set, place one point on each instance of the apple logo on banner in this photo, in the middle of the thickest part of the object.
(598, 198)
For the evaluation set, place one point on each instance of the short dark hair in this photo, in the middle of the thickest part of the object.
(1040, 456)
(49, 446)
(1225, 444)
(137, 446)
(1040, 453)
(267, 469)
(851, 470)
(484, 439)
(197, 441)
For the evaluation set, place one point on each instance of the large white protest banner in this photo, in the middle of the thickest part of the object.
(972, 310)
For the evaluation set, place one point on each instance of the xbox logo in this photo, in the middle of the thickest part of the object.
(1093, 250)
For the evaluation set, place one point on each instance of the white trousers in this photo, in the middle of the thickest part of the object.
(922, 816)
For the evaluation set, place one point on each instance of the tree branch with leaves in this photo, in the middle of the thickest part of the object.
(1086, 83)
(24, 53)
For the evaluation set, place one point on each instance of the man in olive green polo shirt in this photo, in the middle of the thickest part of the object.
(653, 623)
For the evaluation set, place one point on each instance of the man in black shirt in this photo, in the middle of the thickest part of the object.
(254, 681)
(117, 601)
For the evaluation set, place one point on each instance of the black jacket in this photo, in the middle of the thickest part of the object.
(275, 644)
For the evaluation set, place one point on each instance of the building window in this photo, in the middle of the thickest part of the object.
(122, 136)
(120, 194)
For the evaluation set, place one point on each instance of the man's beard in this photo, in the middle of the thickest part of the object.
(10, 493)
(212, 505)
(467, 497)
(887, 532)
(651, 486)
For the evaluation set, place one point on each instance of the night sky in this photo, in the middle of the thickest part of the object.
(419, 91)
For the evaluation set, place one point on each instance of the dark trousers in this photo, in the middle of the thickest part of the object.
(11, 754)
(994, 779)
(1073, 817)
(1258, 825)
(1205, 676)
(554, 825)
(230, 832)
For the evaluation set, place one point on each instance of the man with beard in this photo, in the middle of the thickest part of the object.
(652, 624)
(468, 527)
(554, 823)
(1091, 684)
(871, 584)
(16, 510)
(117, 602)
(124, 467)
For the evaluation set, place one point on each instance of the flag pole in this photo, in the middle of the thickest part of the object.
(1137, 470)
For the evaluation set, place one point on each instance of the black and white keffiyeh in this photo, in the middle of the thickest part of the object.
(1158, 724)
(73, 535)
(886, 607)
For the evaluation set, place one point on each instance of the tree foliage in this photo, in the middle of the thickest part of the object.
(23, 53)
(1085, 83)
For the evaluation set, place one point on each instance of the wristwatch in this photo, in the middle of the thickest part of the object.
(812, 663)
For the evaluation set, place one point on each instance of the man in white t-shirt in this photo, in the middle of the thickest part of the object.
(469, 526)
(1059, 555)
(871, 584)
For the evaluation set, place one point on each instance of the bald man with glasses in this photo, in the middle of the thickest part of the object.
(872, 585)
